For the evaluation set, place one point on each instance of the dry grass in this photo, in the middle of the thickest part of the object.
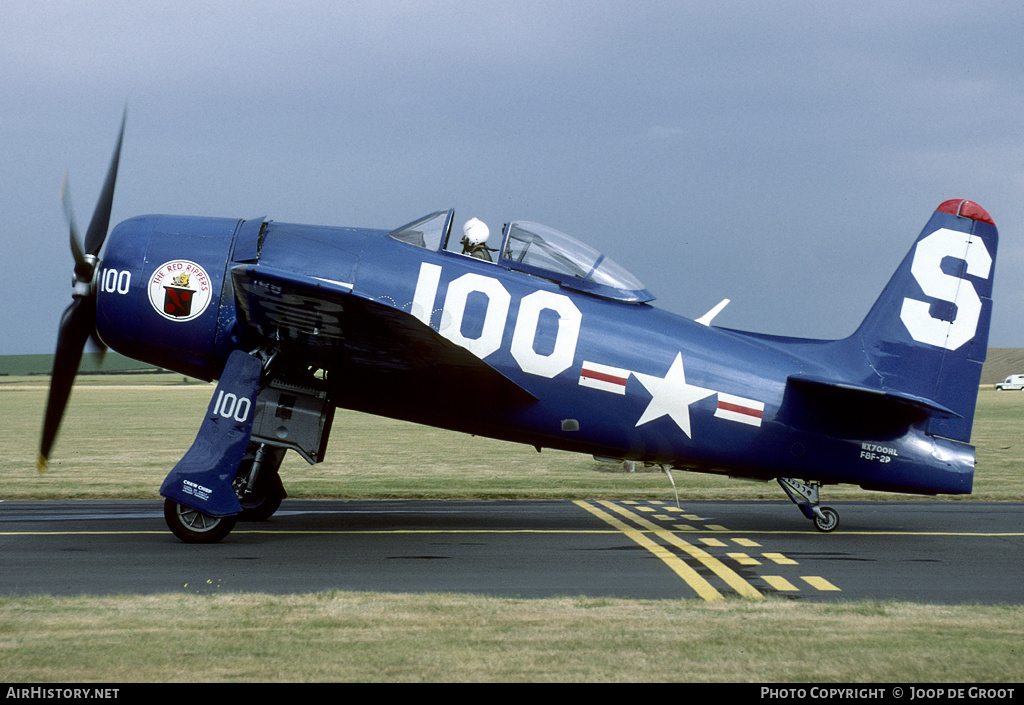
(345, 637)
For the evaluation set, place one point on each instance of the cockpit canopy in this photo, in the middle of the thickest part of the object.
(538, 250)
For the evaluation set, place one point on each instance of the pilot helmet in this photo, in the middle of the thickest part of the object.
(475, 232)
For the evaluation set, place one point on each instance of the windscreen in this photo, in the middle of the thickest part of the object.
(545, 248)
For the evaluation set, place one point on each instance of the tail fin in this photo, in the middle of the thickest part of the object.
(927, 334)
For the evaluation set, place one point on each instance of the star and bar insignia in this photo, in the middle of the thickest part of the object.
(671, 395)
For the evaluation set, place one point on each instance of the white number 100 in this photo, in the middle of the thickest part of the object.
(115, 282)
(230, 406)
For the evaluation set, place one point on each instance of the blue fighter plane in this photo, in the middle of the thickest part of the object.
(540, 340)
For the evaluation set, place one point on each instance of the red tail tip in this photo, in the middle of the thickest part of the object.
(966, 209)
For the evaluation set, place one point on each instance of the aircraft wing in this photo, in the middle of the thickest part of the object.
(367, 346)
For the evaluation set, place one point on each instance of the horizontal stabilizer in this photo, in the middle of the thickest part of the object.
(873, 394)
(845, 409)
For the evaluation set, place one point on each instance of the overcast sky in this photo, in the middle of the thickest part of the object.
(782, 154)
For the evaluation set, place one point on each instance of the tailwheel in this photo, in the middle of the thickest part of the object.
(826, 519)
(193, 526)
(805, 496)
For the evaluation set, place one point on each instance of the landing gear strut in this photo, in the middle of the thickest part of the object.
(805, 496)
(258, 484)
(230, 473)
(259, 490)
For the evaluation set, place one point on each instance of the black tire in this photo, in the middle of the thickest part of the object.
(262, 507)
(828, 521)
(265, 499)
(192, 526)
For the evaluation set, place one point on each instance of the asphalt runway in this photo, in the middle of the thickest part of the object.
(922, 551)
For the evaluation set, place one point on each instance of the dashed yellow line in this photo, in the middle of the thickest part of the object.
(731, 578)
(780, 584)
(778, 559)
(648, 532)
(743, 559)
(818, 583)
(688, 574)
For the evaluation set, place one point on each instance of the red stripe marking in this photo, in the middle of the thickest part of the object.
(726, 406)
(603, 376)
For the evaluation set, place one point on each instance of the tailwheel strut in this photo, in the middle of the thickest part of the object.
(805, 496)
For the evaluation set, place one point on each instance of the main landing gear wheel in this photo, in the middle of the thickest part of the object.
(262, 507)
(826, 519)
(258, 484)
(192, 526)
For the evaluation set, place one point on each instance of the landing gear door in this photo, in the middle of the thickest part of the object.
(294, 417)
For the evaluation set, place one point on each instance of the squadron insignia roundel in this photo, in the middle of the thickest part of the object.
(180, 290)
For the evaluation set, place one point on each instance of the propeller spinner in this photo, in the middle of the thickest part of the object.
(78, 323)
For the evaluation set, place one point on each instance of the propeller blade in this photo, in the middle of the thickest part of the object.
(97, 231)
(83, 269)
(76, 325)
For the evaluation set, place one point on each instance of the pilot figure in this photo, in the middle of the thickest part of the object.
(474, 239)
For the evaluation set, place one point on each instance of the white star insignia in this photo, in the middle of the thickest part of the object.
(671, 396)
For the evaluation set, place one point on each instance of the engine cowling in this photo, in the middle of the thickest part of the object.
(163, 294)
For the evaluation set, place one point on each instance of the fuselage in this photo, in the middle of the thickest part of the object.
(610, 378)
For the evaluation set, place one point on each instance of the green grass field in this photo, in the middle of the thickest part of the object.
(122, 434)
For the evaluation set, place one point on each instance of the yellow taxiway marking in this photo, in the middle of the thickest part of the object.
(688, 574)
(818, 583)
(648, 532)
(743, 559)
(731, 578)
(778, 559)
(316, 532)
(777, 582)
